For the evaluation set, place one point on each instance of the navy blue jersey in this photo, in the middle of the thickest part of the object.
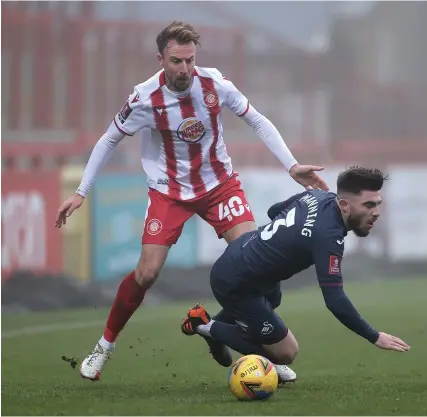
(307, 229)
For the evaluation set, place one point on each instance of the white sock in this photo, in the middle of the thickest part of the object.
(205, 329)
(106, 344)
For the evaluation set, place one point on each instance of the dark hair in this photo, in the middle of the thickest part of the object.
(182, 32)
(356, 179)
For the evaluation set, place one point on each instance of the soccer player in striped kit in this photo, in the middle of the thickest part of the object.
(178, 114)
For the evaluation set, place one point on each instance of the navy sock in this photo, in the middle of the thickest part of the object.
(235, 338)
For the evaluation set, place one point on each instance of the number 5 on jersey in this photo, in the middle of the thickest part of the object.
(288, 222)
(233, 208)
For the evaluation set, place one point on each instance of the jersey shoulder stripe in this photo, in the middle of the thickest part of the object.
(148, 87)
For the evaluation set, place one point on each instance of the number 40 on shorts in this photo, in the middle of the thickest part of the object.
(234, 207)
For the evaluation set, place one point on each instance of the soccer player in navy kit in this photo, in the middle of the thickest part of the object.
(308, 228)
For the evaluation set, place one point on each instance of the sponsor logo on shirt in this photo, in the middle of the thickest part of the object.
(124, 113)
(191, 130)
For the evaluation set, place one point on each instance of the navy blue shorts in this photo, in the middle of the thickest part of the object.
(252, 310)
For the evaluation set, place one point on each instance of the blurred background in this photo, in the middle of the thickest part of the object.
(344, 82)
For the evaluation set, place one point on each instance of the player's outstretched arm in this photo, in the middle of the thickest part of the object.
(306, 176)
(342, 308)
(302, 174)
(328, 252)
(389, 342)
(130, 119)
(100, 155)
(265, 129)
(67, 208)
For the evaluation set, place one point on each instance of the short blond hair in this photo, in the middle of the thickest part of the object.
(183, 33)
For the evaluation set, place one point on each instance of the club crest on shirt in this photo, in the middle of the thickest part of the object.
(191, 130)
(210, 98)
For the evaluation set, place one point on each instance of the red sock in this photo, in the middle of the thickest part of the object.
(129, 297)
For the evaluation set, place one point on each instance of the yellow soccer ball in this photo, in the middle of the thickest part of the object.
(252, 377)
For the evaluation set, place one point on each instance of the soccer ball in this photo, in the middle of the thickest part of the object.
(252, 377)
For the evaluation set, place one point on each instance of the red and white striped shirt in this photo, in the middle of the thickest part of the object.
(183, 150)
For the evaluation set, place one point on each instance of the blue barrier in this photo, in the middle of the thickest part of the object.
(118, 206)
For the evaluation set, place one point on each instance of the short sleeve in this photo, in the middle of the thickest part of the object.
(132, 116)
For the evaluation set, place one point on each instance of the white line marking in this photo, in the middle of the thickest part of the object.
(50, 328)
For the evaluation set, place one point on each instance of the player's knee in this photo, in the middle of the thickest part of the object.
(284, 351)
(146, 275)
(287, 355)
(290, 349)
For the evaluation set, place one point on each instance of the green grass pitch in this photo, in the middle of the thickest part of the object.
(156, 370)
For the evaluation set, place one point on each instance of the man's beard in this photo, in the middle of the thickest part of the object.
(178, 84)
(354, 224)
(182, 84)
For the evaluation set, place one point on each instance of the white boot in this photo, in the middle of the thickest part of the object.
(93, 365)
(285, 374)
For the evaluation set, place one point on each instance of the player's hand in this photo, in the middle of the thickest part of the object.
(67, 208)
(307, 177)
(389, 342)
